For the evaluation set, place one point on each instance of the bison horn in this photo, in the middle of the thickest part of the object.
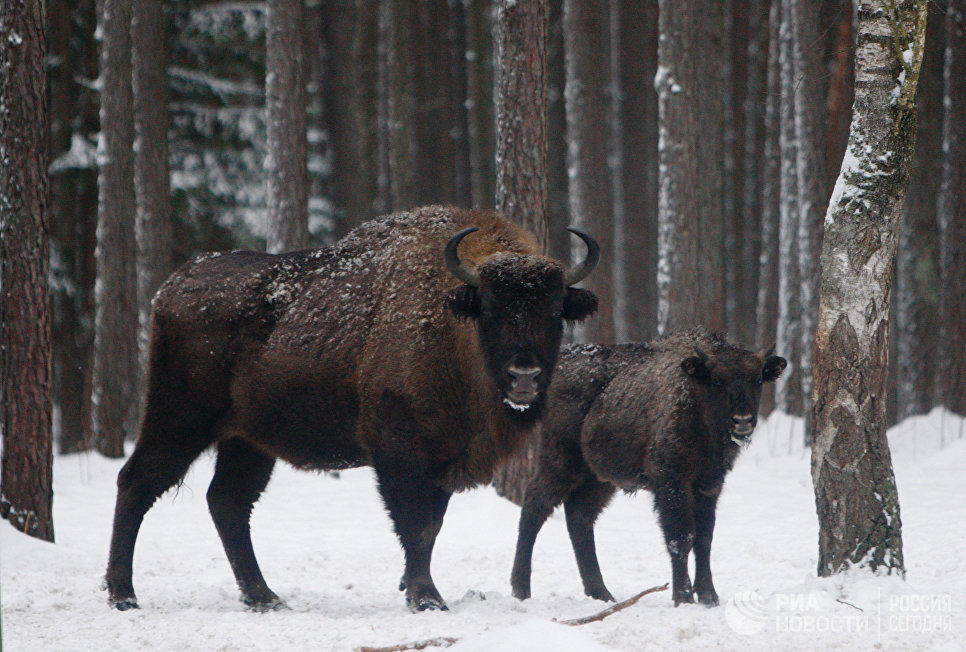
(459, 269)
(764, 354)
(701, 354)
(577, 273)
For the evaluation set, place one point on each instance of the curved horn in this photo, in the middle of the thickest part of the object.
(577, 273)
(459, 269)
(764, 354)
(701, 354)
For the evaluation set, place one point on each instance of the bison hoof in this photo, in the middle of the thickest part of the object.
(125, 604)
(264, 606)
(521, 594)
(601, 594)
(709, 599)
(683, 597)
(426, 600)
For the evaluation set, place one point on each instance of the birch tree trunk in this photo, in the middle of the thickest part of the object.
(25, 359)
(288, 183)
(855, 490)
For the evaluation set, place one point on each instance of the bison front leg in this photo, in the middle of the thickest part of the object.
(582, 509)
(675, 509)
(416, 507)
(705, 504)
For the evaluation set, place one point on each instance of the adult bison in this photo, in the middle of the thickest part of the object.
(669, 416)
(386, 349)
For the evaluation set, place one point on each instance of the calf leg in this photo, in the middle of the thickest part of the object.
(159, 461)
(582, 509)
(241, 474)
(704, 511)
(417, 507)
(675, 509)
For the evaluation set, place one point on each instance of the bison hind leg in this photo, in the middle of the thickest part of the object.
(241, 474)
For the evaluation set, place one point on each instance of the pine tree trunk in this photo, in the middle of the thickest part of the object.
(688, 82)
(25, 356)
(638, 139)
(788, 389)
(952, 215)
(767, 299)
(479, 81)
(855, 490)
(586, 34)
(151, 177)
(812, 185)
(521, 113)
(521, 158)
(917, 268)
(114, 411)
(288, 184)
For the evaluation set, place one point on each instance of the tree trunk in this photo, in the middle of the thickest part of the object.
(952, 215)
(288, 184)
(688, 83)
(151, 177)
(767, 298)
(397, 106)
(521, 158)
(788, 389)
(480, 120)
(586, 34)
(521, 113)
(25, 357)
(810, 166)
(917, 268)
(855, 490)
(637, 28)
(116, 322)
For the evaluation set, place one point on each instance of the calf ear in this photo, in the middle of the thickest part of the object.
(773, 368)
(579, 304)
(464, 302)
(697, 369)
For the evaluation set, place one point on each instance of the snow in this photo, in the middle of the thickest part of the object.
(326, 546)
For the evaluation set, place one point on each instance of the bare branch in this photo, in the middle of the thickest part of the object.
(613, 608)
(442, 641)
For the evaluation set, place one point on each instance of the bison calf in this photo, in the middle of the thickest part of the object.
(669, 416)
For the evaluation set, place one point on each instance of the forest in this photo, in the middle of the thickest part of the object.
(783, 171)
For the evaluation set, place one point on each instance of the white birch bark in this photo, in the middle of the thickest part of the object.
(855, 491)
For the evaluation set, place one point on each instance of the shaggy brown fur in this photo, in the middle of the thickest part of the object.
(369, 352)
(669, 416)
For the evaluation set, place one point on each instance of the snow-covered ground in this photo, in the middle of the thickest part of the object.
(327, 548)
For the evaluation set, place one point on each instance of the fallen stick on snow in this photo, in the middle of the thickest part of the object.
(612, 609)
(446, 641)
(442, 641)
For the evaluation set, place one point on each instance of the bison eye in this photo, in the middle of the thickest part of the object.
(716, 382)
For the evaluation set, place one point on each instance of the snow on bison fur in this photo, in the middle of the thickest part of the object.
(421, 345)
(669, 416)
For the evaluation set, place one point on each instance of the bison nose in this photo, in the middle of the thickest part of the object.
(743, 423)
(523, 380)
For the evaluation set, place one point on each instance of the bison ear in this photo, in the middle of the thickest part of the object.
(464, 302)
(579, 304)
(773, 368)
(697, 368)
